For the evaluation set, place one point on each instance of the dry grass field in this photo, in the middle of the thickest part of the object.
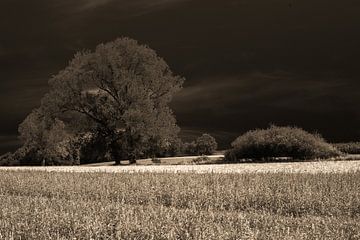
(286, 167)
(64, 205)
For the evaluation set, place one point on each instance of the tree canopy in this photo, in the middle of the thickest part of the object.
(206, 144)
(203, 145)
(117, 95)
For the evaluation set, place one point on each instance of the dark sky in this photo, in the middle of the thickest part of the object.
(248, 63)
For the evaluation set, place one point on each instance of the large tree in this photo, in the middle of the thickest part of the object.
(118, 94)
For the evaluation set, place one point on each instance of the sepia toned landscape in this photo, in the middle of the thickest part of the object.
(179, 119)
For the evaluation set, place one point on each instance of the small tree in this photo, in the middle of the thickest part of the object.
(190, 148)
(205, 144)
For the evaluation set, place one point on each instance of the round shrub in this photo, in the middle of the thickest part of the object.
(280, 142)
(205, 144)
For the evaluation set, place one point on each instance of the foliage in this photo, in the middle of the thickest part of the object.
(43, 205)
(175, 148)
(349, 148)
(8, 160)
(189, 148)
(156, 160)
(277, 142)
(201, 160)
(118, 93)
(22, 156)
(203, 145)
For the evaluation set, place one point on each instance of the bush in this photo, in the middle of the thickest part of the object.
(279, 142)
(203, 145)
(189, 148)
(65, 152)
(8, 160)
(201, 160)
(22, 156)
(156, 160)
(170, 149)
(349, 148)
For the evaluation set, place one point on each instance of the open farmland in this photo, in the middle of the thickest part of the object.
(286, 167)
(60, 205)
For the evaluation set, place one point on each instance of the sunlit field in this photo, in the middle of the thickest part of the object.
(329, 166)
(60, 205)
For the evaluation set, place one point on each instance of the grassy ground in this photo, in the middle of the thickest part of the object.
(185, 160)
(209, 159)
(58, 205)
(289, 167)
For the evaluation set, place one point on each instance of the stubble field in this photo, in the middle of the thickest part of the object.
(330, 166)
(273, 205)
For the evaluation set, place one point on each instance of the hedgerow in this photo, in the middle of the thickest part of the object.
(349, 148)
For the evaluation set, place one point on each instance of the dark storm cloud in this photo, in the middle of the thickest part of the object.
(247, 62)
(8, 143)
(237, 103)
(280, 89)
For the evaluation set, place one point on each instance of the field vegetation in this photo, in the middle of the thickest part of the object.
(42, 205)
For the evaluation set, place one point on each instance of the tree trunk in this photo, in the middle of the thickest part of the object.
(115, 152)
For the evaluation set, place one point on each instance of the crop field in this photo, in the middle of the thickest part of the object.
(68, 205)
(286, 167)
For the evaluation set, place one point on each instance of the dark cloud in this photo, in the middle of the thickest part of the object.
(238, 103)
(247, 63)
(9, 143)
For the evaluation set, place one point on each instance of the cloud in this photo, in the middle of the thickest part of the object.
(228, 50)
(2, 50)
(247, 101)
(143, 6)
(9, 143)
(275, 89)
(94, 3)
